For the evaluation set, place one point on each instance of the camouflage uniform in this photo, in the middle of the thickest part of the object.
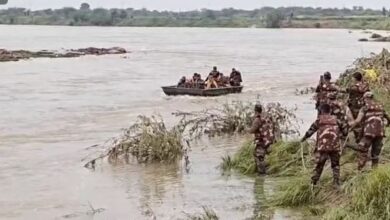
(338, 110)
(355, 103)
(329, 131)
(371, 116)
(322, 90)
(263, 128)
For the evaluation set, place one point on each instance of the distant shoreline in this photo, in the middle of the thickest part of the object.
(267, 17)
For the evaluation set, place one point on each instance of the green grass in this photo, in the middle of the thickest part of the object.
(284, 159)
(363, 196)
(243, 161)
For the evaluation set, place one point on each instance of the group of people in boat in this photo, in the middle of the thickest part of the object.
(215, 79)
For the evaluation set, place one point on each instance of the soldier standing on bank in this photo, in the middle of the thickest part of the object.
(324, 88)
(329, 132)
(263, 129)
(372, 118)
(355, 100)
(339, 110)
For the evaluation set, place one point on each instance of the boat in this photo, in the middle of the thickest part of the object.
(174, 90)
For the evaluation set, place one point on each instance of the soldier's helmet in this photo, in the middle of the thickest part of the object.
(327, 75)
(332, 96)
(358, 75)
(368, 95)
(258, 108)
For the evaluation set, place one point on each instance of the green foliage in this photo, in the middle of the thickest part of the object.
(289, 158)
(284, 159)
(237, 117)
(242, 161)
(363, 196)
(100, 17)
(370, 194)
(85, 6)
(298, 191)
(274, 19)
(229, 17)
(148, 140)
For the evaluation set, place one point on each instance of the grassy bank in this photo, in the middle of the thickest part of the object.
(362, 196)
(284, 159)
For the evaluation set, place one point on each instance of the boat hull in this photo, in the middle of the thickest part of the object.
(174, 91)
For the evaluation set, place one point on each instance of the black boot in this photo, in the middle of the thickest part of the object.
(374, 163)
(261, 168)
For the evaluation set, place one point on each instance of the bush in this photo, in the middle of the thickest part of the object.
(237, 117)
(147, 140)
(274, 19)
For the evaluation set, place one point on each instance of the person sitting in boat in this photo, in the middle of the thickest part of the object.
(184, 83)
(197, 81)
(223, 81)
(235, 78)
(213, 78)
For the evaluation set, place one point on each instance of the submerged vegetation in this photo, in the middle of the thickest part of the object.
(147, 140)
(284, 159)
(301, 17)
(237, 118)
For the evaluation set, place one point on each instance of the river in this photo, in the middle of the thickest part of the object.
(53, 109)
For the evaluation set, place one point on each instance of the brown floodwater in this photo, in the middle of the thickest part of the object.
(53, 109)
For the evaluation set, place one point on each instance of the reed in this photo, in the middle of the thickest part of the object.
(284, 159)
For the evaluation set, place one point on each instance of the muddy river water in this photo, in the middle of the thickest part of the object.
(53, 109)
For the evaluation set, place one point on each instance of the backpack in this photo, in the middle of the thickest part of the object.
(328, 134)
(325, 89)
(356, 96)
(266, 133)
(374, 125)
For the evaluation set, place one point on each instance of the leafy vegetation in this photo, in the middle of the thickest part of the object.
(357, 17)
(147, 140)
(237, 117)
(284, 159)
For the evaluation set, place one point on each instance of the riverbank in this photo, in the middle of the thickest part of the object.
(361, 196)
(266, 17)
(354, 23)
